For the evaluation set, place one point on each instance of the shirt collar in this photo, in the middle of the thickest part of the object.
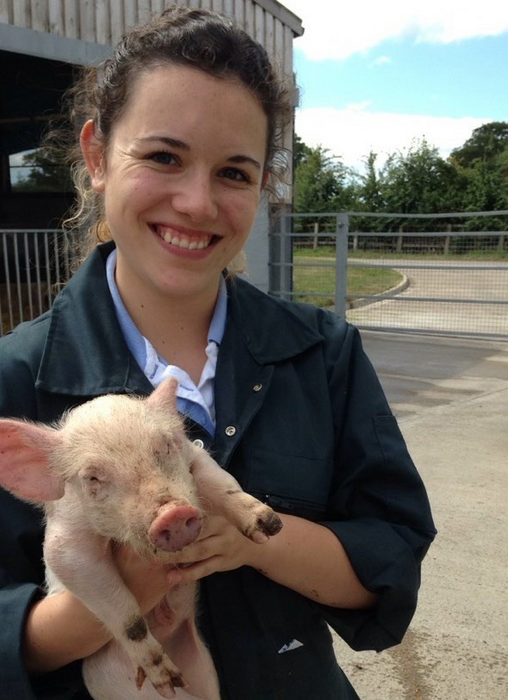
(134, 339)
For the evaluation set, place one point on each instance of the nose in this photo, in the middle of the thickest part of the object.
(196, 197)
(175, 527)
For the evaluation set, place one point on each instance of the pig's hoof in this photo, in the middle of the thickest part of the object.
(265, 526)
(270, 524)
(161, 673)
(178, 681)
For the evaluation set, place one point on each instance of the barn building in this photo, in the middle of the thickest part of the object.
(42, 42)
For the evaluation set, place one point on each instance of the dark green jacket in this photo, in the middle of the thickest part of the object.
(314, 437)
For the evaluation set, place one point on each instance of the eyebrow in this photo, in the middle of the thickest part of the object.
(176, 143)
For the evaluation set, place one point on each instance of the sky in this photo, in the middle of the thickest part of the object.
(382, 76)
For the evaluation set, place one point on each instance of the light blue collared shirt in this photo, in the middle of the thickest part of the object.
(197, 402)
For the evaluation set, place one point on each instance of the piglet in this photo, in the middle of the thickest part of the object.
(120, 469)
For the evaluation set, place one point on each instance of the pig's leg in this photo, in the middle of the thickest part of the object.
(173, 624)
(108, 675)
(87, 570)
(220, 492)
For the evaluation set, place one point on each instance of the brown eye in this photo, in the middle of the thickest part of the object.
(235, 174)
(163, 158)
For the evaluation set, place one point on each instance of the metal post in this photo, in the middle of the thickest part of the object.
(341, 249)
(287, 258)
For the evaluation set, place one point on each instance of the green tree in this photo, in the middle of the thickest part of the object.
(322, 183)
(420, 181)
(370, 196)
(487, 190)
(485, 143)
(483, 164)
(370, 191)
(44, 175)
(300, 151)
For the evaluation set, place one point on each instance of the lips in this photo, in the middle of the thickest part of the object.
(180, 239)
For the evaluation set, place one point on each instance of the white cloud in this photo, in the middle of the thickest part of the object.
(336, 29)
(354, 131)
(382, 61)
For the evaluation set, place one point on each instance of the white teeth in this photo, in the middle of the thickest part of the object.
(184, 241)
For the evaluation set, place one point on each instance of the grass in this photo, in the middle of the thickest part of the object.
(321, 280)
(329, 252)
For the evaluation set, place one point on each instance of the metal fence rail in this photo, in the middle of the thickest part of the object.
(34, 265)
(449, 281)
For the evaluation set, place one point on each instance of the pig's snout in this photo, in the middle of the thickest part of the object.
(175, 527)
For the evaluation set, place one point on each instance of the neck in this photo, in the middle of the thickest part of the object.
(177, 327)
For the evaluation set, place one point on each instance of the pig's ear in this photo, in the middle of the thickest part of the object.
(25, 451)
(165, 394)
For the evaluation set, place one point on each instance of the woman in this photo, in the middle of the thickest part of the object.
(179, 143)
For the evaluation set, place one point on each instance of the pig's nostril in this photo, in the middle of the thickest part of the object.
(193, 524)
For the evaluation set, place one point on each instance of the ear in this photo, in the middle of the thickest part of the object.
(264, 179)
(165, 395)
(93, 153)
(25, 457)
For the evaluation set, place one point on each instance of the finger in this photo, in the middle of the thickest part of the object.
(193, 572)
(213, 525)
(201, 549)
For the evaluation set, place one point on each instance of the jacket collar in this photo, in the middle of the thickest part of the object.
(271, 329)
(85, 353)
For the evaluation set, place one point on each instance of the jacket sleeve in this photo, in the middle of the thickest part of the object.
(21, 536)
(378, 505)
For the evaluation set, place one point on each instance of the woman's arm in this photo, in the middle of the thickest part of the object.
(308, 558)
(60, 629)
(304, 556)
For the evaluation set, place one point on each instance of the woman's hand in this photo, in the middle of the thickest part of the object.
(305, 556)
(220, 547)
(146, 579)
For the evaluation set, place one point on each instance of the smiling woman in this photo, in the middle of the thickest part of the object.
(181, 173)
(178, 139)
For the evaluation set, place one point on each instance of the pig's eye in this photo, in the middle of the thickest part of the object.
(93, 485)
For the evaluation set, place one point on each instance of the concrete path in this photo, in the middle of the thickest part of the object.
(478, 281)
(451, 398)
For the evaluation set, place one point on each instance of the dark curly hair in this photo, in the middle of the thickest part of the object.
(190, 37)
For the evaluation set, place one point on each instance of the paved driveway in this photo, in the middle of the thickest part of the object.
(448, 281)
(451, 398)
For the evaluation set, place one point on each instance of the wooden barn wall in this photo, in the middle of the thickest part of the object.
(104, 21)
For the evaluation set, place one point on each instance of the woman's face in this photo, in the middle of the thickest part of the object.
(182, 177)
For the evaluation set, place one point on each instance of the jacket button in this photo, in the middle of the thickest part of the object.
(199, 443)
(230, 430)
(257, 387)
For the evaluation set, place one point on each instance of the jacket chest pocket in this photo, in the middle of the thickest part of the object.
(290, 483)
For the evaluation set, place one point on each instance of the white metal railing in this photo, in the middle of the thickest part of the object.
(34, 265)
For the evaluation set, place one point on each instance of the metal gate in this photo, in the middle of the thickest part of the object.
(34, 265)
(447, 280)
